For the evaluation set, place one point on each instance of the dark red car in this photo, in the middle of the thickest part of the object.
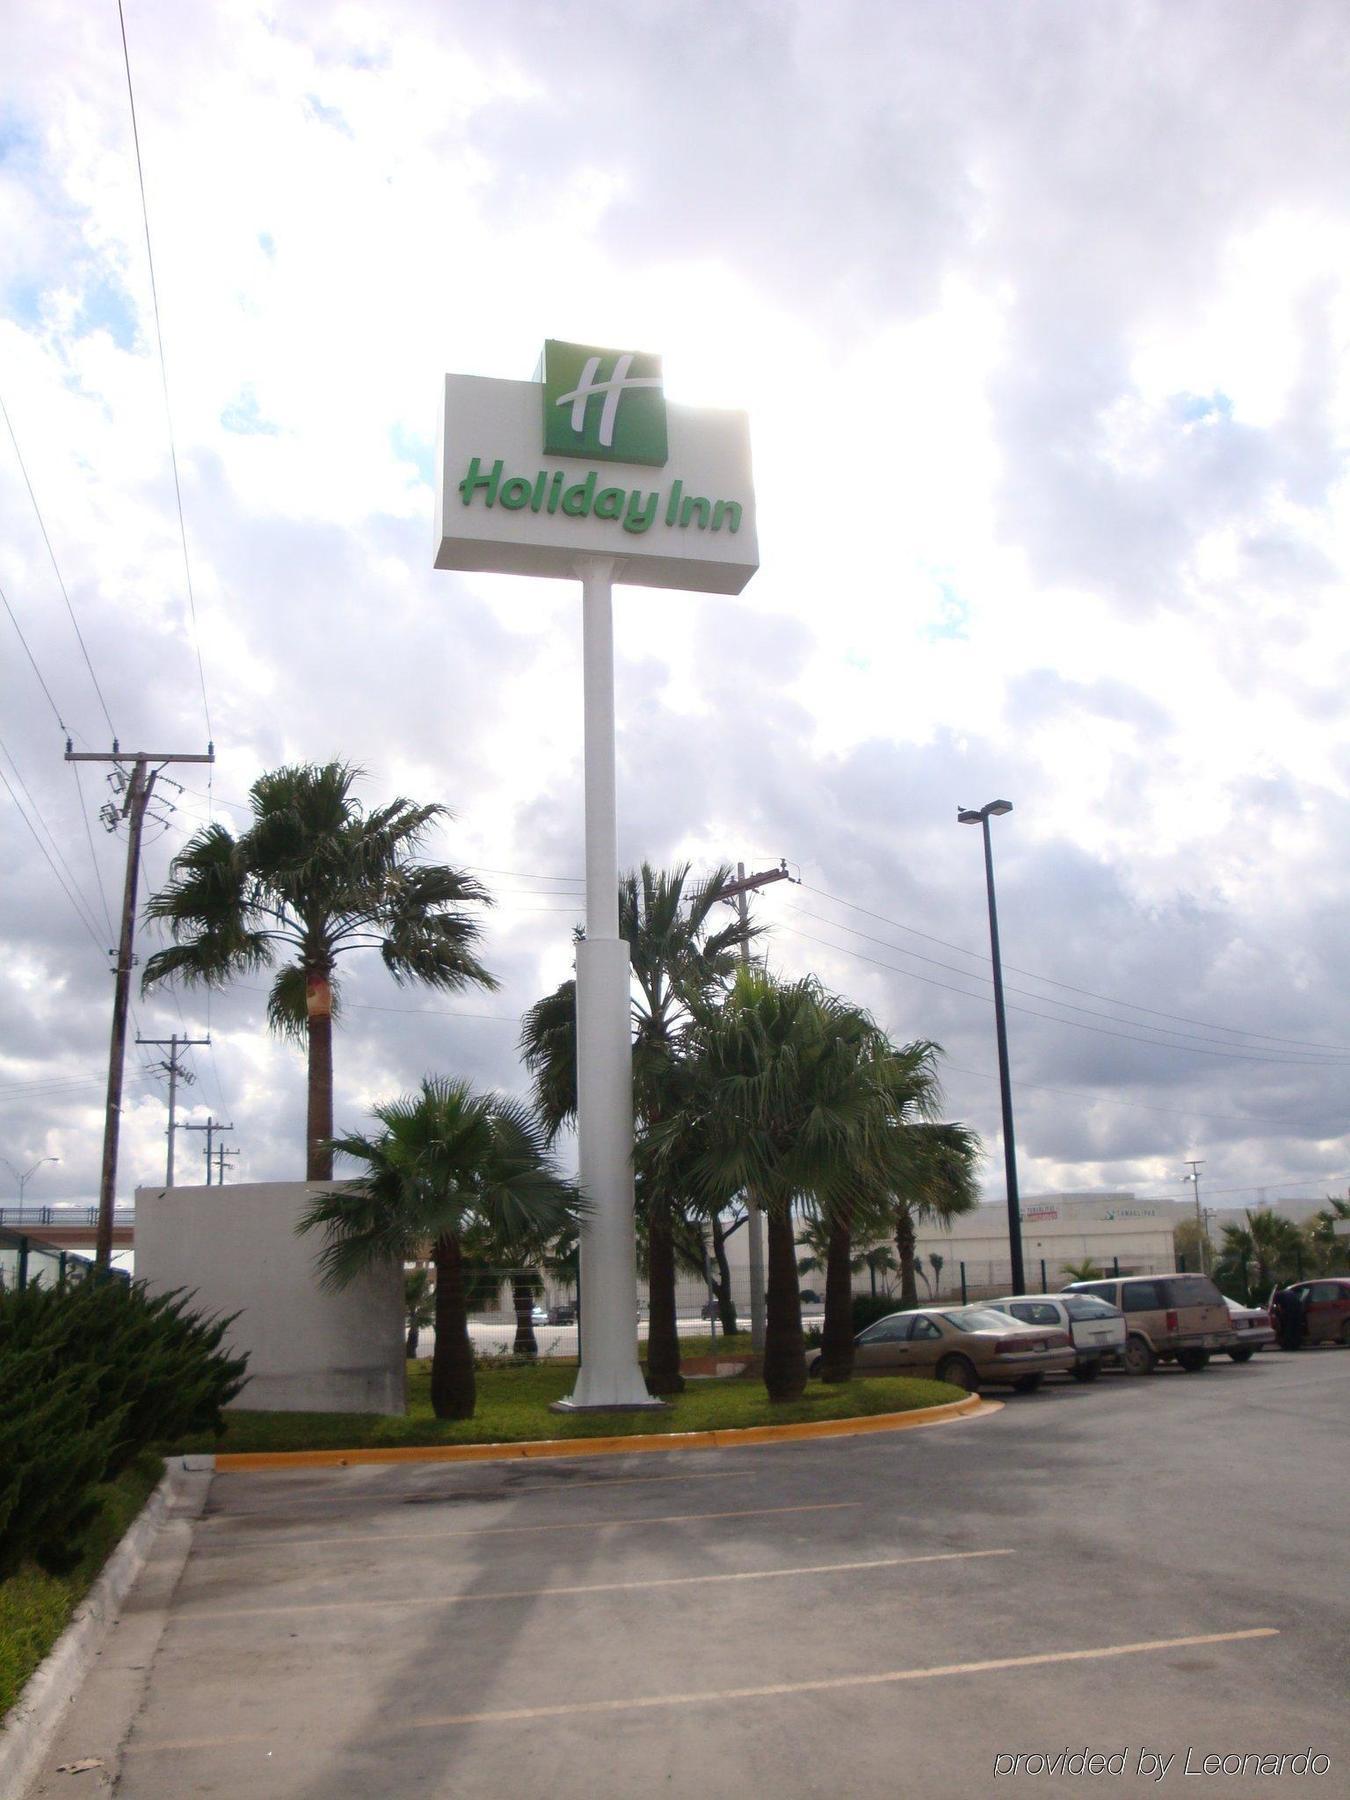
(1326, 1308)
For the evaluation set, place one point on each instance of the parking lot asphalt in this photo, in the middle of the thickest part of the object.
(1149, 1567)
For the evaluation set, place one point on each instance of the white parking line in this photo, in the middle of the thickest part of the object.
(397, 1497)
(199, 1615)
(715, 1696)
(518, 1714)
(614, 1522)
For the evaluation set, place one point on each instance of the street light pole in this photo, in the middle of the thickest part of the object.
(970, 816)
(26, 1177)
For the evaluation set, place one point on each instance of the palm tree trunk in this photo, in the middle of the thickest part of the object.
(453, 1391)
(784, 1351)
(410, 1345)
(904, 1249)
(319, 1119)
(663, 1336)
(726, 1304)
(836, 1338)
(522, 1295)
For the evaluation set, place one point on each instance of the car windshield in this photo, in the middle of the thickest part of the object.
(1088, 1306)
(982, 1318)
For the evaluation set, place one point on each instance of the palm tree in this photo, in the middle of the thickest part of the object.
(814, 1238)
(419, 1303)
(941, 1184)
(1086, 1270)
(908, 1161)
(939, 1263)
(880, 1260)
(677, 960)
(451, 1168)
(769, 1103)
(1262, 1254)
(313, 877)
(1327, 1247)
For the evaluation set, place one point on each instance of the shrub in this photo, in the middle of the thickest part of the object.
(52, 1454)
(868, 1308)
(89, 1377)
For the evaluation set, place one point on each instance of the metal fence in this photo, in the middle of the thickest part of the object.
(28, 1262)
(966, 1281)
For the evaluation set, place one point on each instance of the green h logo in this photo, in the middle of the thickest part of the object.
(606, 405)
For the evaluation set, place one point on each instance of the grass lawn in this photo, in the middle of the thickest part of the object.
(513, 1407)
(35, 1608)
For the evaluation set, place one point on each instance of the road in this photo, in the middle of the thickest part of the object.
(1140, 1569)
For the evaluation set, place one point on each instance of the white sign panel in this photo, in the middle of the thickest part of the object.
(592, 461)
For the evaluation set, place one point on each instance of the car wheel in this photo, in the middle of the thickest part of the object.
(960, 1371)
(1088, 1371)
(1192, 1361)
(1345, 1334)
(1244, 1355)
(1027, 1384)
(1139, 1356)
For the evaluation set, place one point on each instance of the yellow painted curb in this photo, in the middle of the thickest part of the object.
(609, 1446)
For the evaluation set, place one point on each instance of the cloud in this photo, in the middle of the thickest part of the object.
(1040, 316)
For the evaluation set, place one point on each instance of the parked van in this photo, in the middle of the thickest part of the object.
(1168, 1318)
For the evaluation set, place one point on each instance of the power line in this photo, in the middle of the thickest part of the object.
(79, 911)
(56, 570)
(526, 875)
(56, 710)
(178, 1005)
(1170, 1112)
(1110, 999)
(428, 1012)
(37, 813)
(972, 975)
(1071, 1024)
(93, 856)
(163, 372)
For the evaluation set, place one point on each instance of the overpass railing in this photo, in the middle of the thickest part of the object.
(30, 1218)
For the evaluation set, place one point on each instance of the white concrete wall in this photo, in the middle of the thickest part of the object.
(309, 1351)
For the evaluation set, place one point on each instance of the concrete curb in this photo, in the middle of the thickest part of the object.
(37, 1715)
(608, 1446)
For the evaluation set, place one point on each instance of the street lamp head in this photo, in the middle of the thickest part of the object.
(997, 808)
(964, 816)
(967, 815)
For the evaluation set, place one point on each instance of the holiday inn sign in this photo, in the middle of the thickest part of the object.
(669, 497)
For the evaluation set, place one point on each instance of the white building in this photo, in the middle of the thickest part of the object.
(1116, 1231)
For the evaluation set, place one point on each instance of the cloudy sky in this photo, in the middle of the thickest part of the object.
(1041, 314)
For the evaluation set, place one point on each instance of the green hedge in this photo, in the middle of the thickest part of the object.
(89, 1377)
(868, 1308)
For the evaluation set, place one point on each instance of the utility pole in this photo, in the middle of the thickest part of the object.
(176, 1073)
(1201, 1235)
(736, 893)
(211, 1127)
(222, 1151)
(139, 789)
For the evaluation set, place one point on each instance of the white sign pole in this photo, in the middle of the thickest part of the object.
(609, 1376)
(581, 472)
